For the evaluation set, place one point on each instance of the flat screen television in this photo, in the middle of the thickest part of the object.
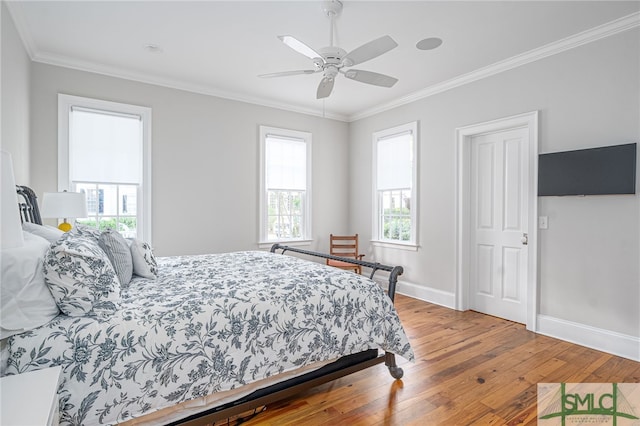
(594, 171)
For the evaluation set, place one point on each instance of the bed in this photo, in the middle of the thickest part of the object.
(195, 339)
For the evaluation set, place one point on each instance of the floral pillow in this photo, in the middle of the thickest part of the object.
(81, 278)
(144, 262)
(86, 231)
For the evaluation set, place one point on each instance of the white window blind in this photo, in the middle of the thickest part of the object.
(286, 161)
(395, 162)
(395, 186)
(105, 146)
(285, 185)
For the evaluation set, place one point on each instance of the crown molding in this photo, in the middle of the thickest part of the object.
(98, 68)
(602, 31)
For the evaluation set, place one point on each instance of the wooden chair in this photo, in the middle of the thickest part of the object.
(344, 246)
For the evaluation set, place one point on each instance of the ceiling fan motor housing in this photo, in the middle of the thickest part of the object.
(332, 55)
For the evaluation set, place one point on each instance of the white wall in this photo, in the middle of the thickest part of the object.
(589, 256)
(16, 68)
(204, 160)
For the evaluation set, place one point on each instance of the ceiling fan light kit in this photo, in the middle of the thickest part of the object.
(332, 60)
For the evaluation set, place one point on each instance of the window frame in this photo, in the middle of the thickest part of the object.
(263, 237)
(376, 237)
(65, 103)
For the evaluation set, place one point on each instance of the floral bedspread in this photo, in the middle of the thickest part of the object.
(208, 323)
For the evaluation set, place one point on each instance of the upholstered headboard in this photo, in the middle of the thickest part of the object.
(28, 205)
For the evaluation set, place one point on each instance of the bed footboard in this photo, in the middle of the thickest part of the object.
(394, 271)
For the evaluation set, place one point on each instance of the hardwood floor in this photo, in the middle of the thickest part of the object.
(470, 369)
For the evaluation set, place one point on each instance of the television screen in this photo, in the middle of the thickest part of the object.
(594, 171)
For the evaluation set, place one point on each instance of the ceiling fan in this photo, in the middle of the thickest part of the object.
(333, 60)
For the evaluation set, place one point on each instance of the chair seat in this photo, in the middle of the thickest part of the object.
(340, 264)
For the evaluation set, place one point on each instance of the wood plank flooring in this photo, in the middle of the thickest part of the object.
(470, 369)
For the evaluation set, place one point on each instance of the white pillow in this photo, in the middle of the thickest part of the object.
(49, 233)
(26, 300)
(81, 278)
(144, 262)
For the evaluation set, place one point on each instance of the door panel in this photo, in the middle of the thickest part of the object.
(485, 188)
(511, 277)
(512, 185)
(485, 270)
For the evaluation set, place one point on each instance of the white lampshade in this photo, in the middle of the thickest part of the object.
(11, 225)
(68, 205)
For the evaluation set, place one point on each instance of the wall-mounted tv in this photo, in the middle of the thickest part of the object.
(594, 171)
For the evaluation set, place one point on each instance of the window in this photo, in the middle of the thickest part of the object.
(115, 212)
(395, 185)
(104, 151)
(285, 187)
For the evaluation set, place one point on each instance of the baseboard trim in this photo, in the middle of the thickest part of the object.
(595, 338)
(599, 339)
(427, 294)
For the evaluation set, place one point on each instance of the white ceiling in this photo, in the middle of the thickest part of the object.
(219, 47)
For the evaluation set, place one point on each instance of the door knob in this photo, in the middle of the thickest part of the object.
(525, 239)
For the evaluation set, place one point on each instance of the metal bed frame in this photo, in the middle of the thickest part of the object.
(344, 366)
(29, 211)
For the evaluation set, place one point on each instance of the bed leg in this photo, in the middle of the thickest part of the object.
(390, 361)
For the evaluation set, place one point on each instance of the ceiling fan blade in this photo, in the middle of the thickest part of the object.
(370, 77)
(325, 87)
(286, 73)
(369, 50)
(299, 46)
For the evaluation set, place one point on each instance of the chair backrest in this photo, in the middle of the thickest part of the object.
(344, 245)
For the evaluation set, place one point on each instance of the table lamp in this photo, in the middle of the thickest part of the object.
(65, 205)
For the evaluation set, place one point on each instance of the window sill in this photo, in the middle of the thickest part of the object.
(292, 243)
(394, 245)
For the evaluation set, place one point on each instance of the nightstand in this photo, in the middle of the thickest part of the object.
(30, 398)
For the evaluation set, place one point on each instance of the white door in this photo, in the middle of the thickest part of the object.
(499, 221)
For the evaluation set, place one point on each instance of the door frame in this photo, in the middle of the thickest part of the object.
(463, 213)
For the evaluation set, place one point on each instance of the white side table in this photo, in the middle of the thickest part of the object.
(30, 398)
